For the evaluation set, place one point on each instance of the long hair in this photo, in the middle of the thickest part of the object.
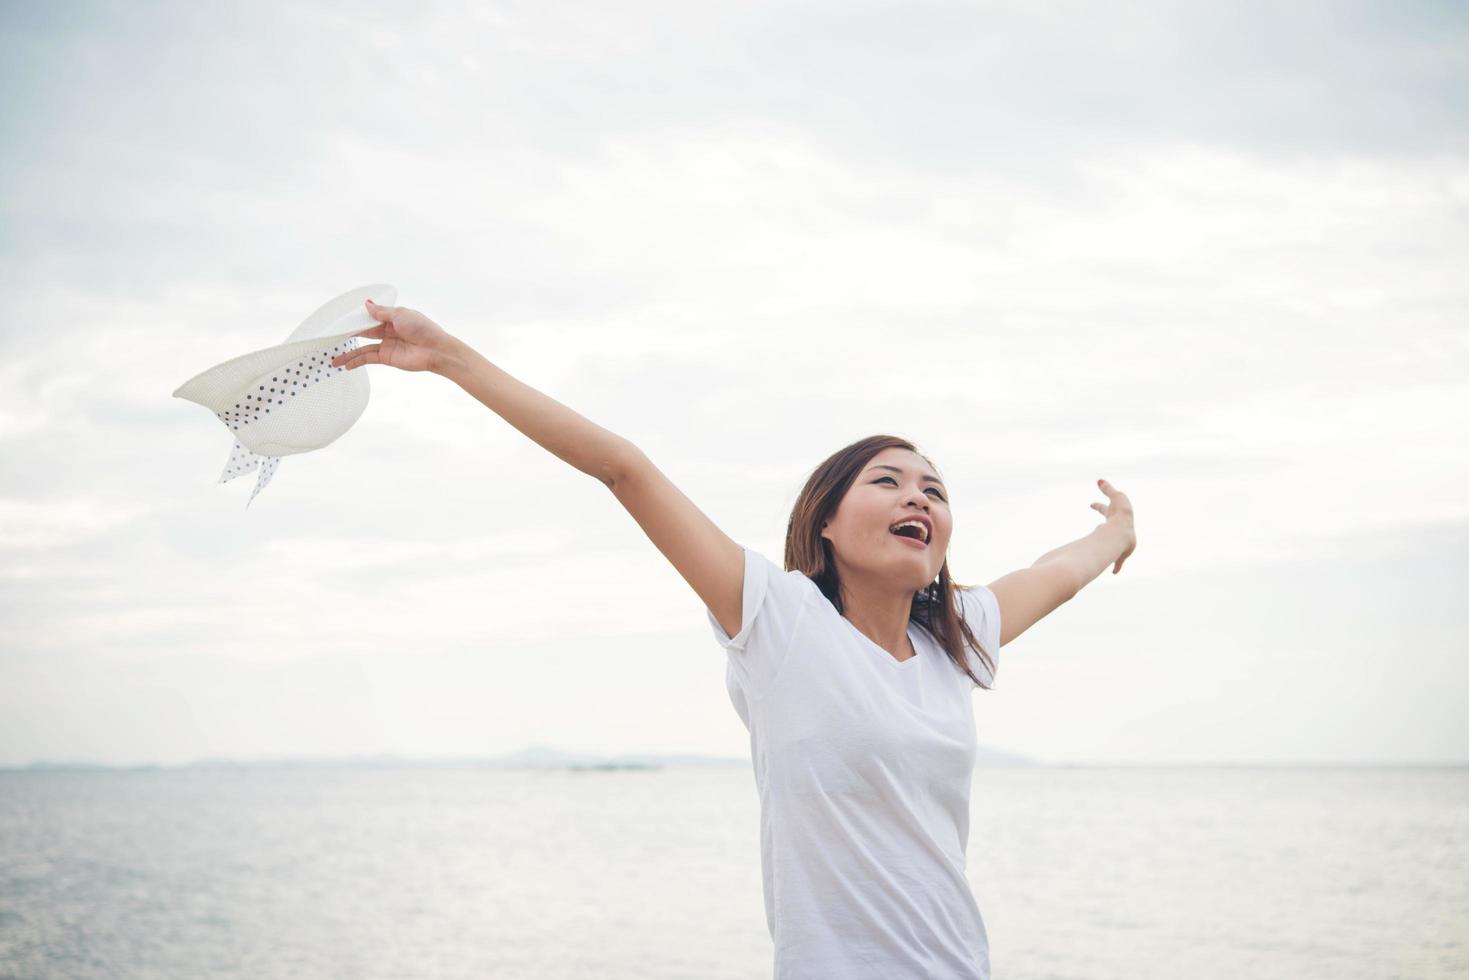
(935, 607)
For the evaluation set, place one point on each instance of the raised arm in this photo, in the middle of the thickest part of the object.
(1028, 595)
(557, 429)
(708, 559)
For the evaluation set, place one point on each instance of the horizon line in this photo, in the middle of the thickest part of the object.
(513, 761)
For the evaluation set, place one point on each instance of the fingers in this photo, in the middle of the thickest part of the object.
(358, 357)
(1118, 498)
(1099, 508)
(1121, 559)
(383, 313)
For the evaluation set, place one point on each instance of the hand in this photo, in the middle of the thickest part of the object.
(1118, 513)
(410, 341)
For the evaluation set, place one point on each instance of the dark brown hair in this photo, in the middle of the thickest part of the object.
(935, 607)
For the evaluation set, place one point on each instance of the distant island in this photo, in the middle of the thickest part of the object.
(545, 758)
(532, 757)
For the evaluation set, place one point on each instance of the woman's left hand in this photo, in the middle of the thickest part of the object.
(1118, 513)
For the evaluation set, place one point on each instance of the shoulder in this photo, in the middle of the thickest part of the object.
(791, 581)
(760, 566)
(777, 595)
(979, 606)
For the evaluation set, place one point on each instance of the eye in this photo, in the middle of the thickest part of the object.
(933, 490)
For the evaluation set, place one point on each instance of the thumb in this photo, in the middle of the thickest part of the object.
(383, 313)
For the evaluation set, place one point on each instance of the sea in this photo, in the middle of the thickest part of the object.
(396, 872)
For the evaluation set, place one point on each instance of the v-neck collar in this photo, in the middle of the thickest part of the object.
(892, 660)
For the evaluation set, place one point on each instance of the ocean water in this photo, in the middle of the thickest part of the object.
(1081, 874)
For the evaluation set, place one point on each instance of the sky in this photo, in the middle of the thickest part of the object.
(1212, 253)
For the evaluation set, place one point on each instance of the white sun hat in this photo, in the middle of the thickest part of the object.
(289, 398)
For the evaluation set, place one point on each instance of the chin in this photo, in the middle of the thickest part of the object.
(918, 581)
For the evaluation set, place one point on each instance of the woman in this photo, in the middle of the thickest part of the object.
(852, 669)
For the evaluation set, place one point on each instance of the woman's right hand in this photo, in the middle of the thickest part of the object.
(410, 341)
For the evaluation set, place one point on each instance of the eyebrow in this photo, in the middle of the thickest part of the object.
(884, 466)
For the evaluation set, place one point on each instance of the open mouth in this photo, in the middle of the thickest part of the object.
(911, 531)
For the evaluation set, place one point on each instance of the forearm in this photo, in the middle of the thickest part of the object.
(1089, 556)
(556, 428)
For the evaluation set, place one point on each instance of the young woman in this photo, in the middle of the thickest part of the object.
(852, 668)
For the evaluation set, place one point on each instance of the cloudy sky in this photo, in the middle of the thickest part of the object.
(1213, 253)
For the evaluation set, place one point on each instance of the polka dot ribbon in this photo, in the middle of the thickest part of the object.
(242, 461)
(292, 379)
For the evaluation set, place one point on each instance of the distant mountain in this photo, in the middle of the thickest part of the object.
(533, 757)
(77, 766)
(546, 757)
(536, 757)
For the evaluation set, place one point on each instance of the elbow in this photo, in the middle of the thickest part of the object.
(614, 468)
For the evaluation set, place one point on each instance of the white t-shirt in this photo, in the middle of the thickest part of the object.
(863, 765)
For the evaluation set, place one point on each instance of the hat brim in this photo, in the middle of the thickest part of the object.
(334, 321)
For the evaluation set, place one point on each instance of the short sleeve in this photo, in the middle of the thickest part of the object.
(773, 602)
(981, 611)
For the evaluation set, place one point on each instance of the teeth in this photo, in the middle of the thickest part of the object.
(923, 531)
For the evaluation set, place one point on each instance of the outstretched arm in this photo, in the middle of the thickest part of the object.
(556, 428)
(708, 559)
(1030, 594)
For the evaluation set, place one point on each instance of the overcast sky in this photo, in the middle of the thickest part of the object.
(1213, 253)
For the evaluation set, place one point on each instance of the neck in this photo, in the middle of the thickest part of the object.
(879, 613)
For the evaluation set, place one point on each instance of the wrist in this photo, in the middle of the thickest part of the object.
(450, 358)
(1116, 536)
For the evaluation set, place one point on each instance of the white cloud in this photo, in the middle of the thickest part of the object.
(1221, 272)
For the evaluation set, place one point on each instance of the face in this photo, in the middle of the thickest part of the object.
(893, 485)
